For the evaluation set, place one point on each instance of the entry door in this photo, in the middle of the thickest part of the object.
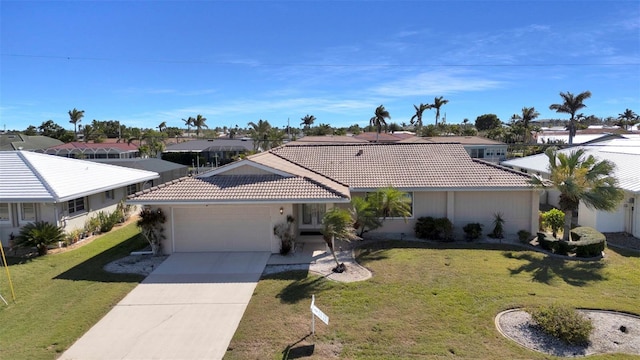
(311, 215)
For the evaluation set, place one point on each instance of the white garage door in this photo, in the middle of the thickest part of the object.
(222, 228)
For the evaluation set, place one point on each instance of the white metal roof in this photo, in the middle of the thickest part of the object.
(623, 153)
(34, 177)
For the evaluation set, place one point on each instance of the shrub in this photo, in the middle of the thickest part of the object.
(498, 226)
(548, 242)
(151, 227)
(435, 229)
(92, 225)
(472, 231)
(40, 234)
(524, 236)
(107, 221)
(553, 219)
(588, 241)
(564, 323)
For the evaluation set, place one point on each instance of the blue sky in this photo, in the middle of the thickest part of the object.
(144, 62)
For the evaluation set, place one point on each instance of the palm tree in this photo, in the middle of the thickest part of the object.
(199, 123)
(307, 121)
(417, 118)
(162, 126)
(365, 215)
(259, 133)
(628, 118)
(337, 224)
(581, 179)
(391, 202)
(571, 104)
(528, 115)
(437, 103)
(75, 116)
(378, 120)
(188, 122)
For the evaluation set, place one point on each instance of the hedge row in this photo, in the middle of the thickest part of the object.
(585, 242)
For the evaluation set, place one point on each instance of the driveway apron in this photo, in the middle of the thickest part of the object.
(188, 308)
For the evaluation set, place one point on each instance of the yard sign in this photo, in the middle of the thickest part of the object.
(317, 312)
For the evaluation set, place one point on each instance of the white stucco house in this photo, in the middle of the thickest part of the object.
(58, 190)
(237, 206)
(624, 153)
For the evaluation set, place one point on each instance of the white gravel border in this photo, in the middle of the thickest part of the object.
(606, 338)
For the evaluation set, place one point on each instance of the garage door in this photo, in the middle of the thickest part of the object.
(222, 228)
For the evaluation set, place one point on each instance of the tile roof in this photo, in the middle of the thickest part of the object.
(74, 147)
(243, 144)
(408, 166)
(328, 140)
(34, 177)
(10, 142)
(465, 140)
(238, 188)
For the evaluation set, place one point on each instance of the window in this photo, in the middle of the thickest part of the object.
(4, 212)
(28, 212)
(132, 189)
(109, 195)
(76, 206)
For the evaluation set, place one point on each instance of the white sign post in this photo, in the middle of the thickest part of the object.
(316, 312)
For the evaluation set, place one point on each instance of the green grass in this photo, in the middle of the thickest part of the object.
(60, 296)
(427, 301)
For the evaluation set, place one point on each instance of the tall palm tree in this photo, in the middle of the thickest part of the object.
(75, 116)
(528, 115)
(579, 178)
(417, 118)
(307, 121)
(437, 104)
(571, 104)
(628, 118)
(199, 123)
(379, 119)
(259, 133)
(337, 224)
(163, 126)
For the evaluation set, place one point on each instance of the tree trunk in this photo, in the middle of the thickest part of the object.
(333, 253)
(568, 217)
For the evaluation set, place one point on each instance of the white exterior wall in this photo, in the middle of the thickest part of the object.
(635, 216)
(619, 220)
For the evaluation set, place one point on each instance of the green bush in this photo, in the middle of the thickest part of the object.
(108, 221)
(40, 235)
(524, 236)
(563, 322)
(498, 226)
(472, 231)
(435, 229)
(553, 219)
(588, 241)
(548, 242)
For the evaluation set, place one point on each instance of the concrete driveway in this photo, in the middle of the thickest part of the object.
(188, 308)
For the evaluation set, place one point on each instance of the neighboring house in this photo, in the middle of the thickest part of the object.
(384, 137)
(477, 147)
(237, 206)
(61, 191)
(592, 134)
(625, 154)
(106, 150)
(329, 139)
(11, 142)
(215, 152)
(167, 170)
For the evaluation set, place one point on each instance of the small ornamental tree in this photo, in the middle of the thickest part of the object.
(150, 224)
(40, 235)
(337, 223)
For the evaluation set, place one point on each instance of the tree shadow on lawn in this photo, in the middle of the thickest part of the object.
(543, 270)
(624, 252)
(301, 287)
(92, 269)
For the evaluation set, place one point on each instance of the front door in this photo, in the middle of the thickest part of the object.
(311, 215)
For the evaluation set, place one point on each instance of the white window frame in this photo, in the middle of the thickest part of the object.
(130, 187)
(23, 219)
(8, 218)
(75, 206)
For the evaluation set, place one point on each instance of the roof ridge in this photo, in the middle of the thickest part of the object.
(317, 183)
(159, 186)
(37, 173)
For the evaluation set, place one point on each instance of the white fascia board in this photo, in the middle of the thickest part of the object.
(107, 188)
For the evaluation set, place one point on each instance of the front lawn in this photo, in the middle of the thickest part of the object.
(60, 296)
(427, 301)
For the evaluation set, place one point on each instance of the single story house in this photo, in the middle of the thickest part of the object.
(236, 207)
(104, 150)
(212, 152)
(478, 147)
(625, 155)
(58, 190)
(11, 142)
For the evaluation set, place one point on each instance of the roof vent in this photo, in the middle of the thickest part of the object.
(360, 152)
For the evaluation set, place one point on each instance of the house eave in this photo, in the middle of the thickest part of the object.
(237, 202)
